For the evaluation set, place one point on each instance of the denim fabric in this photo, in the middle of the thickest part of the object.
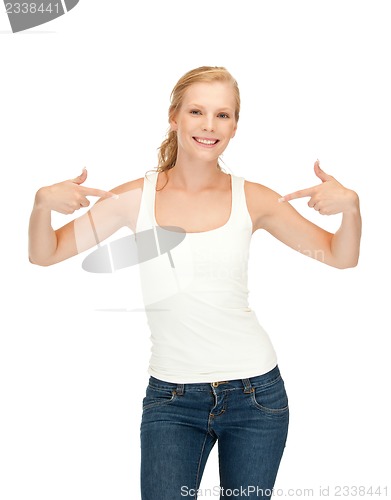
(181, 423)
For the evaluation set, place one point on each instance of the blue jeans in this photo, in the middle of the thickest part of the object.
(182, 422)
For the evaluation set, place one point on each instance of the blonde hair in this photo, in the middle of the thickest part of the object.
(168, 150)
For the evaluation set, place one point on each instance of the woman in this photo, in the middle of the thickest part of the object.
(213, 370)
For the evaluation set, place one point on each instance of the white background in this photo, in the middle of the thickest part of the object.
(92, 89)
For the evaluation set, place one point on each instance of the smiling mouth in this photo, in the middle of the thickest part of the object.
(206, 142)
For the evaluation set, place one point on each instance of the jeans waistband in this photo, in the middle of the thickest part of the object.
(247, 384)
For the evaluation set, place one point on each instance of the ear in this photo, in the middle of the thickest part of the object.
(173, 125)
(234, 131)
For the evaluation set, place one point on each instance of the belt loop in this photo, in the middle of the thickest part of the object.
(247, 386)
(180, 389)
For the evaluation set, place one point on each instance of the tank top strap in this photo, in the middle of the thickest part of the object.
(237, 187)
(145, 218)
(239, 206)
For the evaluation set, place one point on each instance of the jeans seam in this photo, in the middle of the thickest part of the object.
(264, 409)
(270, 411)
(199, 463)
(266, 384)
(161, 403)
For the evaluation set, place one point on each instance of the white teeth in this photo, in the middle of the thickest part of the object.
(205, 141)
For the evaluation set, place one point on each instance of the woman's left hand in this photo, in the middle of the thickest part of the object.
(328, 198)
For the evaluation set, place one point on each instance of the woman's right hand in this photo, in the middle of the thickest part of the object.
(68, 196)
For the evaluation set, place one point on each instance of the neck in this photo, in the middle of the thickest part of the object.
(194, 175)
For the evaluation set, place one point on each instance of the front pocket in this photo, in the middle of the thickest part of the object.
(271, 399)
(157, 397)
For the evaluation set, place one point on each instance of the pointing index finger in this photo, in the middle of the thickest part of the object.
(301, 193)
(99, 192)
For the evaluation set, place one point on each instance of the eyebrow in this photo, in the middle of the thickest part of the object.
(194, 105)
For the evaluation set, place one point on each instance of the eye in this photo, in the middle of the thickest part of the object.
(223, 115)
(195, 112)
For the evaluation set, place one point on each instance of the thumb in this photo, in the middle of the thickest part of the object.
(319, 172)
(81, 178)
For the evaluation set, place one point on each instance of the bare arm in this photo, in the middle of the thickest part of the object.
(115, 209)
(270, 212)
(345, 244)
(42, 238)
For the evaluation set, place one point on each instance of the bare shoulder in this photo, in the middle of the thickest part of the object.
(122, 211)
(129, 186)
(261, 202)
(256, 193)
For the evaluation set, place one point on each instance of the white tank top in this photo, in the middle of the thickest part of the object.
(196, 300)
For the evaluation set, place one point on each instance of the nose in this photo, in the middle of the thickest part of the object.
(208, 124)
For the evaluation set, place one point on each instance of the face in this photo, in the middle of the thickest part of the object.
(205, 123)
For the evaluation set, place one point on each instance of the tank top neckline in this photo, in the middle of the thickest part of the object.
(209, 231)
